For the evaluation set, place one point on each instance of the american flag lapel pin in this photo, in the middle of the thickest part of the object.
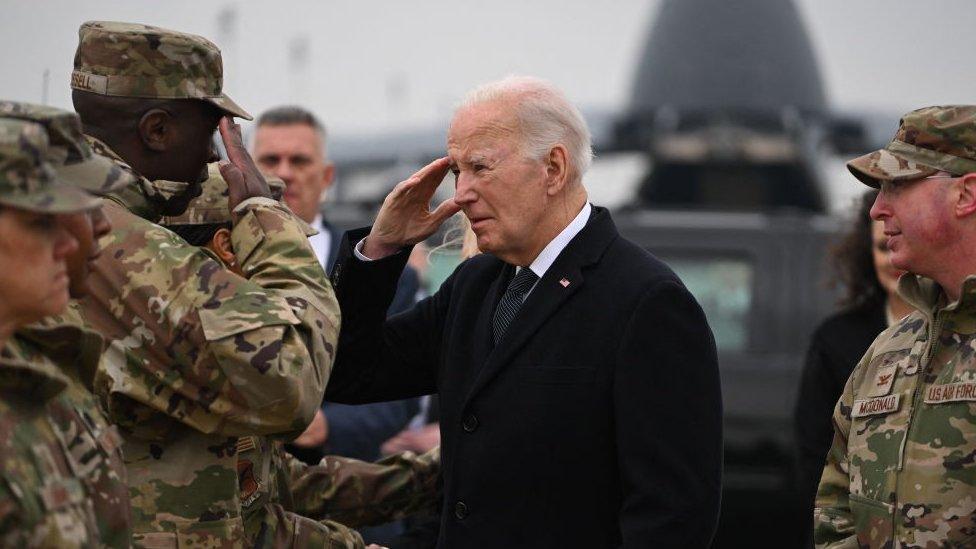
(564, 282)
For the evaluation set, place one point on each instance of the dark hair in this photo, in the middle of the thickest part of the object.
(290, 114)
(198, 235)
(853, 263)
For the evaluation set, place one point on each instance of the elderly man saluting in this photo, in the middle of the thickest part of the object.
(579, 387)
(901, 471)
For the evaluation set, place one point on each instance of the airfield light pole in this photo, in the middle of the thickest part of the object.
(299, 56)
(45, 84)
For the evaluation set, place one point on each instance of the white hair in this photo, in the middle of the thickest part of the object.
(545, 117)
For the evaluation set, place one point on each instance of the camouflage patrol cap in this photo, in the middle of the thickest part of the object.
(27, 181)
(928, 140)
(69, 152)
(213, 205)
(134, 60)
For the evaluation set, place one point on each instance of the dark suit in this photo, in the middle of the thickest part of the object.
(358, 431)
(595, 422)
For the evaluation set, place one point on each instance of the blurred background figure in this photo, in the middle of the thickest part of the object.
(290, 143)
(870, 303)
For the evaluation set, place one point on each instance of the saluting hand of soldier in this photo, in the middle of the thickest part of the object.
(405, 217)
(244, 180)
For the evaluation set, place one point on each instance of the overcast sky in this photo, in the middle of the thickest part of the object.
(372, 66)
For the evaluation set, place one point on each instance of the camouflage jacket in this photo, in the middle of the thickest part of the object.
(62, 481)
(902, 468)
(280, 492)
(198, 356)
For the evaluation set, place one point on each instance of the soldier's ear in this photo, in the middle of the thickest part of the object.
(966, 199)
(222, 246)
(155, 129)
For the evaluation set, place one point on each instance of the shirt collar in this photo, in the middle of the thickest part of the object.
(318, 224)
(548, 255)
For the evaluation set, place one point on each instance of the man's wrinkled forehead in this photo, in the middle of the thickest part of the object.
(481, 133)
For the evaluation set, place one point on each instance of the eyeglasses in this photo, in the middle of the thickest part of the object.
(889, 186)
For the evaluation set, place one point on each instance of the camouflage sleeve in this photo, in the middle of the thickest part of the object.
(359, 493)
(833, 525)
(242, 357)
(288, 529)
(12, 530)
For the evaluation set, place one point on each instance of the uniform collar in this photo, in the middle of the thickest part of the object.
(927, 296)
(74, 348)
(144, 198)
(27, 372)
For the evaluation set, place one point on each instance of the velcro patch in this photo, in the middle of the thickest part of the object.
(883, 380)
(60, 492)
(245, 444)
(247, 483)
(89, 82)
(875, 406)
(952, 392)
(110, 439)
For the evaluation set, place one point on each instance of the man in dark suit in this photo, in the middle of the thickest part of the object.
(580, 402)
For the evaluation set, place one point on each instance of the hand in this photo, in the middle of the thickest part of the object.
(415, 440)
(405, 217)
(244, 180)
(374, 546)
(316, 434)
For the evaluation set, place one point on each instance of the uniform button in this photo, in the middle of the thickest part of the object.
(470, 423)
(460, 510)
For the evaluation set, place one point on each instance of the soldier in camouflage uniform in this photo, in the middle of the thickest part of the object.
(197, 355)
(62, 482)
(283, 497)
(902, 468)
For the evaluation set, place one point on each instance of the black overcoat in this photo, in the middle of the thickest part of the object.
(595, 421)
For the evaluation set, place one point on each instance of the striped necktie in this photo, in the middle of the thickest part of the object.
(511, 302)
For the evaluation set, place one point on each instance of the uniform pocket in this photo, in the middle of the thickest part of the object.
(873, 521)
(243, 313)
(213, 533)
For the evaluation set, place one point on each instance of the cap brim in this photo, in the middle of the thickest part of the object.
(228, 105)
(884, 165)
(97, 175)
(59, 197)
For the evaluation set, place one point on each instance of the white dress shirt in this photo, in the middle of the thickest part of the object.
(548, 255)
(322, 242)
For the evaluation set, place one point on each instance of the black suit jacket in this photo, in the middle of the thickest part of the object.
(595, 422)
